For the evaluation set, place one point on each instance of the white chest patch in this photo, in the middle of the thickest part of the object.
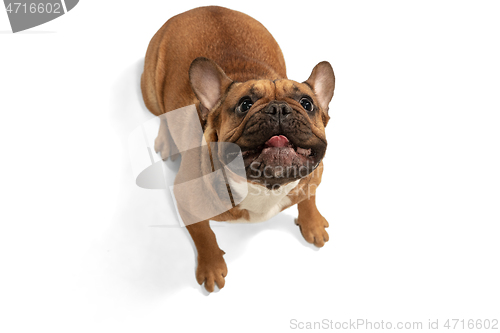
(262, 204)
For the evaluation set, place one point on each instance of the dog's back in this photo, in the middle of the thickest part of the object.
(241, 46)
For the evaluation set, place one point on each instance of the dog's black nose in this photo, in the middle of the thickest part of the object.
(278, 109)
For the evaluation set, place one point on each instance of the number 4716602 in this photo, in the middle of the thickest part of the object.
(471, 324)
(34, 8)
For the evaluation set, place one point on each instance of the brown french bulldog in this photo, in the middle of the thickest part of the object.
(230, 67)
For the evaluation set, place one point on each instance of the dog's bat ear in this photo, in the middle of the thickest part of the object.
(322, 81)
(208, 82)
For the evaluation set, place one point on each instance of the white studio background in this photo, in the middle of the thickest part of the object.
(411, 186)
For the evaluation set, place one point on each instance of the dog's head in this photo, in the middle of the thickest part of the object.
(279, 125)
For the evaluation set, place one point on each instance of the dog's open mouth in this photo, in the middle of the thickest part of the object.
(277, 161)
(278, 151)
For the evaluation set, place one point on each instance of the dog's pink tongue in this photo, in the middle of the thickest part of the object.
(277, 141)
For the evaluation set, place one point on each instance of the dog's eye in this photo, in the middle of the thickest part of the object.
(306, 104)
(245, 104)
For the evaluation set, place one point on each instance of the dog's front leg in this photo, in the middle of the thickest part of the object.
(312, 224)
(211, 265)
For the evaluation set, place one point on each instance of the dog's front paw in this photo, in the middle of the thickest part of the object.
(211, 270)
(313, 229)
